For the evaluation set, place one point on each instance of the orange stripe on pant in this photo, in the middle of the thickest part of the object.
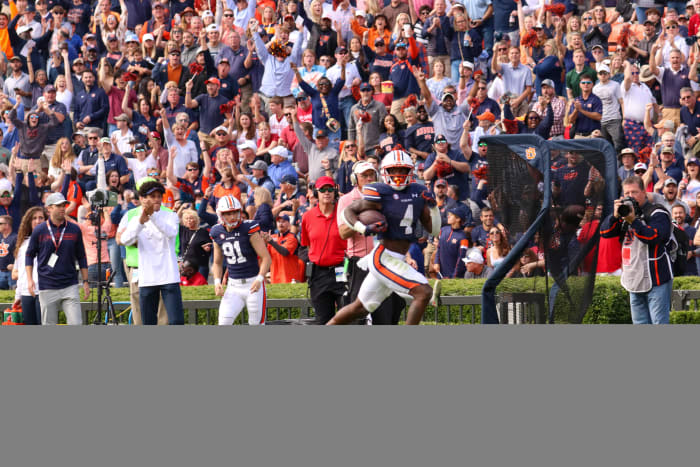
(390, 275)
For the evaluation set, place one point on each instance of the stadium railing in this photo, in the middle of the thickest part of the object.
(514, 308)
(683, 299)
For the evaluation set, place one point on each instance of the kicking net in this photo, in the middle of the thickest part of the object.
(547, 200)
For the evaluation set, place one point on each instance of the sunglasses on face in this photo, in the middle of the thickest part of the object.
(221, 133)
(228, 15)
(327, 189)
(350, 145)
(192, 170)
(482, 145)
(6, 195)
(153, 174)
(587, 18)
(495, 232)
(481, 89)
(533, 118)
(586, 82)
(639, 171)
(634, 73)
(671, 27)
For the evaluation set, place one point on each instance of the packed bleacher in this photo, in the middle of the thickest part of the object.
(261, 99)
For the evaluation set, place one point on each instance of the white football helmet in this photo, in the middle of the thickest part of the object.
(397, 159)
(229, 203)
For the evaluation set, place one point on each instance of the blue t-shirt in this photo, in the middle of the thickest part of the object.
(142, 127)
(240, 257)
(573, 181)
(209, 114)
(419, 136)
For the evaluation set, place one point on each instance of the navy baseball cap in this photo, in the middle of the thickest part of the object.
(366, 87)
(283, 217)
(460, 211)
(289, 179)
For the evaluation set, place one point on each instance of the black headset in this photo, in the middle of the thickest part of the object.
(335, 188)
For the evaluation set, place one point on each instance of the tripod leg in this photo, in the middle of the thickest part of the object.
(109, 311)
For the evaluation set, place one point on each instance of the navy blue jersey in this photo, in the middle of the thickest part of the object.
(240, 257)
(402, 208)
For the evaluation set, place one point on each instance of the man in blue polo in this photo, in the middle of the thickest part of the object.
(57, 245)
(586, 111)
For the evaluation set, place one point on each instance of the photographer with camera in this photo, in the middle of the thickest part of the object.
(644, 230)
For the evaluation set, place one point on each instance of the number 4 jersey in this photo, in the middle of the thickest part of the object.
(240, 257)
(402, 208)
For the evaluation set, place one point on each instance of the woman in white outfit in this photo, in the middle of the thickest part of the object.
(31, 311)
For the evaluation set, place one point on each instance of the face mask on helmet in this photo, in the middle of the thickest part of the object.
(397, 177)
(235, 220)
(397, 169)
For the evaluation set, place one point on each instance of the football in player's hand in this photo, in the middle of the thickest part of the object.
(371, 217)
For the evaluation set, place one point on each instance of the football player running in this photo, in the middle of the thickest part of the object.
(403, 203)
(240, 244)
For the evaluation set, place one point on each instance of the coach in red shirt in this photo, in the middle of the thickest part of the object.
(319, 231)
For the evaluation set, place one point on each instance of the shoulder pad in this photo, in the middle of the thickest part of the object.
(251, 227)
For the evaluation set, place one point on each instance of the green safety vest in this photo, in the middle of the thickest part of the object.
(132, 251)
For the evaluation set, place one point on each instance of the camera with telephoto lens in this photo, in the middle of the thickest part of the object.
(101, 198)
(628, 205)
(691, 40)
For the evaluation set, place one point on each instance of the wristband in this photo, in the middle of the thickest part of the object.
(359, 227)
(260, 278)
(217, 281)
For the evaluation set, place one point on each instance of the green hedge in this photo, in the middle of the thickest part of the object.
(610, 302)
(685, 317)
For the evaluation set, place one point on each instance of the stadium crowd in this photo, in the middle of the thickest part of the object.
(279, 104)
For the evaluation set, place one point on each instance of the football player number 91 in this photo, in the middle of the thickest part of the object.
(233, 254)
